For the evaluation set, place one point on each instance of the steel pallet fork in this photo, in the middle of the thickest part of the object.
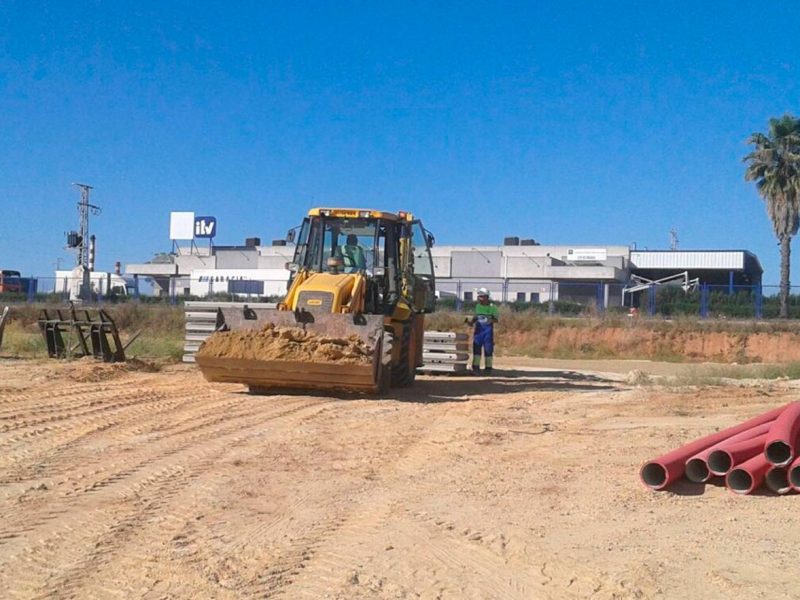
(87, 332)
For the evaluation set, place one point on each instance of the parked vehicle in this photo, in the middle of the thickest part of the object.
(10, 282)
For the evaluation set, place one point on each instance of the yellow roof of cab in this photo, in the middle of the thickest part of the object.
(356, 213)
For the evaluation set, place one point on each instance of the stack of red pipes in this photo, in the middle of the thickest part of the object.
(764, 449)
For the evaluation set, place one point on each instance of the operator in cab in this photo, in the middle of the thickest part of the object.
(486, 315)
(352, 255)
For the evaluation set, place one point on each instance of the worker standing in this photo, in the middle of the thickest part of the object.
(486, 315)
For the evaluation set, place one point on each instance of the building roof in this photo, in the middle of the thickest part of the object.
(683, 260)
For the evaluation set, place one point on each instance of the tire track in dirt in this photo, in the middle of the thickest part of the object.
(215, 560)
(485, 573)
(70, 396)
(318, 564)
(24, 418)
(118, 510)
(330, 558)
(66, 395)
(67, 421)
(245, 579)
(88, 478)
(60, 419)
(144, 414)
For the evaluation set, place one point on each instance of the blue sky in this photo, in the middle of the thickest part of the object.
(573, 123)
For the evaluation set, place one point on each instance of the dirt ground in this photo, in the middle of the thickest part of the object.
(121, 483)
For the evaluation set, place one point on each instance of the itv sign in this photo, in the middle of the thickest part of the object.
(205, 227)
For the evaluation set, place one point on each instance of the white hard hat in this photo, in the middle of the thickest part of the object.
(483, 292)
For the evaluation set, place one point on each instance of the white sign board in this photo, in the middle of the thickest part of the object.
(587, 254)
(181, 225)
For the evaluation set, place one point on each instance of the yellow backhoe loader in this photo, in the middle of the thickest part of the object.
(355, 272)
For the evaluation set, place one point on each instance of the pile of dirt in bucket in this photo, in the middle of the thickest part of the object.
(286, 343)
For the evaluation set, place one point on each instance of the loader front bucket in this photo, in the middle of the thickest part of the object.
(271, 372)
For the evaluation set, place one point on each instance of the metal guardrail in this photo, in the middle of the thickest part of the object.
(202, 319)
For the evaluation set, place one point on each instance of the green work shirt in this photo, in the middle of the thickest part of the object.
(353, 257)
(489, 310)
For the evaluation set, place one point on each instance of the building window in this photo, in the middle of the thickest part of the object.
(535, 297)
(468, 296)
(520, 296)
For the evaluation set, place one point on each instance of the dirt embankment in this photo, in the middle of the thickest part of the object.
(286, 343)
(659, 344)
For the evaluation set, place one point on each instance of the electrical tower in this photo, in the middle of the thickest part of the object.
(80, 239)
(673, 239)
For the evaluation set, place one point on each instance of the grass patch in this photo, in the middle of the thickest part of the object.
(162, 347)
(161, 338)
(709, 375)
(533, 320)
(20, 341)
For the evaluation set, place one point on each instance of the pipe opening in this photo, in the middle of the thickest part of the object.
(739, 481)
(720, 462)
(696, 470)
(794, 476)
(778, 453)
(654, 475)
(777, 480)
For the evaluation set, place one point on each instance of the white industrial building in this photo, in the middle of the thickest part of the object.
(202, 271)
(531, 273)
(513, 272)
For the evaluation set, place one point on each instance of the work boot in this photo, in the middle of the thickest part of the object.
(476, 370)
(488, 370)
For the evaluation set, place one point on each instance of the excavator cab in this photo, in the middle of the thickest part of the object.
(355, 272)
(390, 253)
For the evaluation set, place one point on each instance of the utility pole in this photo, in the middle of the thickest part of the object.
(84, 208)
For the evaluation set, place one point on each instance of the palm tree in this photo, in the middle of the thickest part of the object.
(774, 164)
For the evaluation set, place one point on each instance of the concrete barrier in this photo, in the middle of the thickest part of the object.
(445, 352)
(202, 319)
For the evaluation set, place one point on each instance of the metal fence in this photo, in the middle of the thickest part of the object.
(554, 298)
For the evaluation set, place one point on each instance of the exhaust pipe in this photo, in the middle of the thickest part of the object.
(699, 468)
(777, 480)
(781, 444)
(748, 476)
(660, 472)
(727, 456)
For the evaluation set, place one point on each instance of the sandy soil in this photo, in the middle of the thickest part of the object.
(286, 343)
(124, 483)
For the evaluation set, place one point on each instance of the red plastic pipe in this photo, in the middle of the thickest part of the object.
(726, 456)
(781, 445)
(660, 472)
(777, 480)
(698, 467)
(748, 476)
(794, 474)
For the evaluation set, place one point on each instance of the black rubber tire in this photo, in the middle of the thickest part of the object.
(403, 372)
(385, 374)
